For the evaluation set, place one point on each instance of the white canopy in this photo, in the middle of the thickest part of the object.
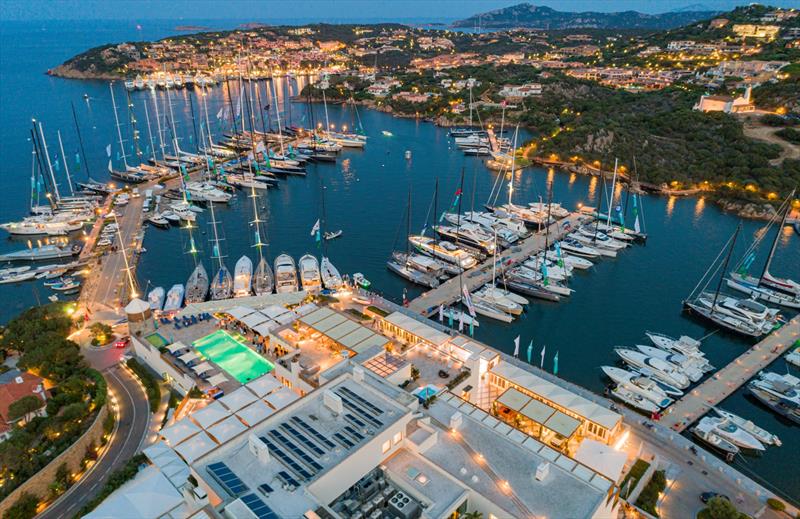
(176, 346)
(202, 368)
(149, 494)
(188, 357)
(217, 379)
(238, 312)
(137, 306)
(254, 319)
(179, 431)
(210, 414)
(264, 328)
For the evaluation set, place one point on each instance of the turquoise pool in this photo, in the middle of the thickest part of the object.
(235, 358)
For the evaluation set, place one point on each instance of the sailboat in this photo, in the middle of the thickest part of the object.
(784, 292)
(398, 261)
(242, 277)
(263, 281)
(222, 284)
(197, 285)
(330, 275)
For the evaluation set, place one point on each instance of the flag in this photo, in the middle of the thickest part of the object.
(516, 347)
(541, 363)
(458, 192)
(636, 226)
(545, 279)
(559, 255)
(108, 151)
(215, 251)
(460, 322)
(110, 169)
(620, 216)
(450, 319)
(77, 161)
(530, 350)
(441, 313)
(315, 229)
(221, 113)
(118, 156)
(555, 364)
(468, 301)
(193, 249)
(405, 297)
(56, 165)
(471, 327)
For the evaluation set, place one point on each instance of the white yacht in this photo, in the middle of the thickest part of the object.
(659, 368)
(310, 277)
(569, 260)
(45, 252)
(197, 285)
(580, 249)
(630, 397)
(285, 274)
(174, 299)
(693, 367)
(684, 344)
(444, 250)
(242, 277)
(732, 432)
(496, 299)
(707, 432)
(470, 234)
(263, 280)
(762, 435)
(156, 299)
(554, 208)
(222, 284)
(638, 384)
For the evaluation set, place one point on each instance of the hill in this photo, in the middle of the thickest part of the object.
(541, 17)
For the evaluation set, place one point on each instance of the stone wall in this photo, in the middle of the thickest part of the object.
(40, 482)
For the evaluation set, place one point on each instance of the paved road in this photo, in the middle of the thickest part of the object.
(133, 415)
(718, 387)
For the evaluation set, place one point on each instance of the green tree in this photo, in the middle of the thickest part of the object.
(721, 508)
(24, 508)
(101, 332)
(23, 407)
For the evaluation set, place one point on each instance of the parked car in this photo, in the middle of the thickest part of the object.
(708, 496)
(123, 342)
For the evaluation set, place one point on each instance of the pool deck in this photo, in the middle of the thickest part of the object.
(724, 382)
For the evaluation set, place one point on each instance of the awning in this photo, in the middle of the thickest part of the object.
(217, 379)
(202, 368)
(239, 312)
(188, 357)
(176, 346)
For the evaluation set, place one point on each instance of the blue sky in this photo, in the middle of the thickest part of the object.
(321, 10)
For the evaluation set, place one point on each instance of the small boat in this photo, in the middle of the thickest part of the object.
(171, 217)
(459, 316)
(775, 400)
(732, 432)
(16, 277)
(333, 235)
(45, 252)
(174, 299)
(579, 249)
(361, 281)
(692, 367)
(793, 357)
(156, 299)
(158, 220)
(638, 384)
(309, 273)
(285, 274)
(222, 284)
(762, 435)
(488, 310)
(387, 133)
(263, 280)
(684, 344)
(68, 284)
(330, 275)
(707, 433)
(660, 369)
(635, 400)
(197, 285)
(412, 275)
(242, 277)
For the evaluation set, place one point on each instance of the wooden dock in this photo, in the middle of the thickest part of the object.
(724, 382)
(450, 291)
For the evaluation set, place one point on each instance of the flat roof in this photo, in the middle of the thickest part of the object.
(306, 416)
(264, 385)
(227, 429)
(210, 414)
(256, 412)
(562, 424)
(238, 398)
(179, 431)
(418, 328)
(569, 490)
(537, 411)
(343, 330)
(513, 399)
(557, 394)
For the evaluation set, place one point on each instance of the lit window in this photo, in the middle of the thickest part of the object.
(386, 446)
(397, 437)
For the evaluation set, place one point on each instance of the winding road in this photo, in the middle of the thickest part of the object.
(133, 418)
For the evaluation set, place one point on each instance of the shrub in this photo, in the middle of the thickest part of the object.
(376, 310)
(789, 135)
(24, 508)
(151, 387)
(649, 497)
(776, 504)
(634, 475)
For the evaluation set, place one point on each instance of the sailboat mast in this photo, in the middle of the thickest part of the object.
(278, 114)
(158, 127)
(149, 131)
(775, 240)
(325, 105)
(725, 267)
(513, 163)
(256, 221)
(119, 130)
(49, 165)
(34, 190)
(134, 130)
(216, 250)
(66, 163)
(323, 222)
(408, 221)
(80, 139)
(611, 196)
(205, 109)
(172, 123)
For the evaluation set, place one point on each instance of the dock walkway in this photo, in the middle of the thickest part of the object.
(450, 291)
(724, 382)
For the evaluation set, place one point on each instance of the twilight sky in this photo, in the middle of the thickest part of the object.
(286, 11)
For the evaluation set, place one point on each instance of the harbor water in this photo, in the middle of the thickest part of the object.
(365, 195)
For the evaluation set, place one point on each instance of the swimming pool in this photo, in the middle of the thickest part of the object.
(235, 358)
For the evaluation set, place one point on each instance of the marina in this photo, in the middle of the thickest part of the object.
(613, 303)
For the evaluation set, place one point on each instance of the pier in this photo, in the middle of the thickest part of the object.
(450, 291)
(724, 382)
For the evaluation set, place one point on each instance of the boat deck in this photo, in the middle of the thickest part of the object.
(450, 291)
(724, 382)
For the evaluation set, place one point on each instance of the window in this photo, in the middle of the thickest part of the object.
(397, 437)
(386, 446)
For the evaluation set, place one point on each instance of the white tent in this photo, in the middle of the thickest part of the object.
(202, 368)
(189, 357)
(179, 431)
(217, 379)
(602, 458)
(176, 346)
(239, 312)
(264, 328)
(210, 414)
(149, 494)
(254, 319)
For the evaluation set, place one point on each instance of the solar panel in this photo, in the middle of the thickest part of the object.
(297, 451)
(347, 444)
(287, 479)
(286, 459)
(355, 434)
(355, 421)
(302, 438)
(361, 401)
(358, 410)
(313, 432)
(265, 489)
(225, 477)
(258, 507)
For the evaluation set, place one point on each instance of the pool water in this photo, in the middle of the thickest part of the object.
(235, 358)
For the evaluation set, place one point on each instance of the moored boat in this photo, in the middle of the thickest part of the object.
(310, 277)
(242, 277)
(197, 285)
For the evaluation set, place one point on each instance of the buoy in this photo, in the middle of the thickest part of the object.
(408, 154)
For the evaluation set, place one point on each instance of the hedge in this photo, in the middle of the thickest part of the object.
(649, 497)
(151, 387)
(636, 472)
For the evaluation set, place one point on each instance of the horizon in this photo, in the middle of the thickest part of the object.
(328, 11)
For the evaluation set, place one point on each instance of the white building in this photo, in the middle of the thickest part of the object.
(517, 91)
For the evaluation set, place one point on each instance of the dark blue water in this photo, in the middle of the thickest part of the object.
(366, 196)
